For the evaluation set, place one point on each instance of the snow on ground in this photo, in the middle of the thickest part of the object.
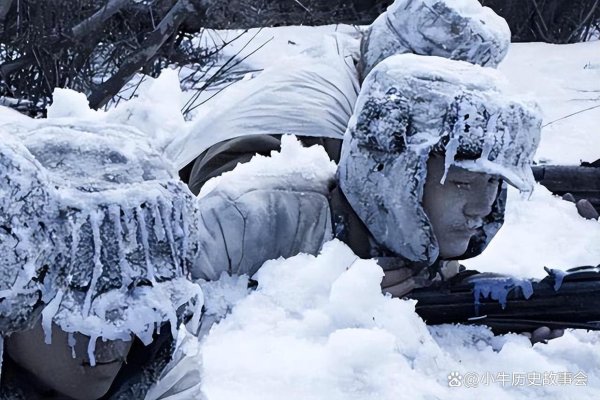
(263, 47)
(540, 231)
(563, 79)
(319, 328)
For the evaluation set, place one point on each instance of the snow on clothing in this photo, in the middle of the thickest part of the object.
(461, 111)
(458, 30)
(98, 239)
(280, 206)
(313, 94)
(411, 106)
(321, 83)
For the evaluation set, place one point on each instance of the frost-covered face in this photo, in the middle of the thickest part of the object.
(66, 369)
(457, 208)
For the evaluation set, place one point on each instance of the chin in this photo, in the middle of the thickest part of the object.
(455, 249)
(89, 392)
(91, 382)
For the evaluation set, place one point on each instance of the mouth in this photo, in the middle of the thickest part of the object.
(466, 228)
(86, 363)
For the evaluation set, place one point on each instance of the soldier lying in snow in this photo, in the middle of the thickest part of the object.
(420, 181)
(103, 249)
(313, 94)
(93, 263)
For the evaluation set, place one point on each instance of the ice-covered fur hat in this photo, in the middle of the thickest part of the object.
(94, 232)
(456, 29)
(410, 106)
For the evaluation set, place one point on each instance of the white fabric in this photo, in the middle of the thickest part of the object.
(312, 94)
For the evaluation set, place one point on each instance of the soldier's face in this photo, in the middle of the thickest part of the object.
(456, 208)
(65, 370)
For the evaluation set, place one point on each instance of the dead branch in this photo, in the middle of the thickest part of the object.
(150, 46)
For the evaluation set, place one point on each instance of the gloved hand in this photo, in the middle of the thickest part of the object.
(543, 334)
(400, 281)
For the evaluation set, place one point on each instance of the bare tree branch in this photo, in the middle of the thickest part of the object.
(11, 66)
(150, 46)
(4, 9)
(93, 23)
(583, 23)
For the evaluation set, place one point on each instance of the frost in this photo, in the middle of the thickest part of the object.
(48, 314)
(498, 288)
(454, 29)
(71, 341)
(87, 202)
(558, 275)
(92, 349)
(411, 106)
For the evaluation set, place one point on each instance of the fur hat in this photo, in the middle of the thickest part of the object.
(411, 106)
(95, 232)
(456, 29)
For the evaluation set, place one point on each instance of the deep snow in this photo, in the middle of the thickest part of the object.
(319, 327)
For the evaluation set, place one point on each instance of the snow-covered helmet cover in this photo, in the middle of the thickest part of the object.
(94, 232)
(411, 106)
(456, 29)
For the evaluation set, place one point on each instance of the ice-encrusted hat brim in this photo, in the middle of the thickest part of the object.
(519, 178)
(411, 106)
(111, 221)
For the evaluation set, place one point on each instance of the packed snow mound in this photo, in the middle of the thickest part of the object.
(293, 168)
(320, 328)
(540, 231)
(454, 29)
(155, 110)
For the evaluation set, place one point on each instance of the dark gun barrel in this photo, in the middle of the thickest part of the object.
(506, 304)
(583, 182)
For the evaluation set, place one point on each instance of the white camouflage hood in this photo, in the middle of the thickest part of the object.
(455, 29)
(411, 106)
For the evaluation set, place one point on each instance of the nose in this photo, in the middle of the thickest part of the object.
(479, 203)
(107, 351)
(102, 351)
